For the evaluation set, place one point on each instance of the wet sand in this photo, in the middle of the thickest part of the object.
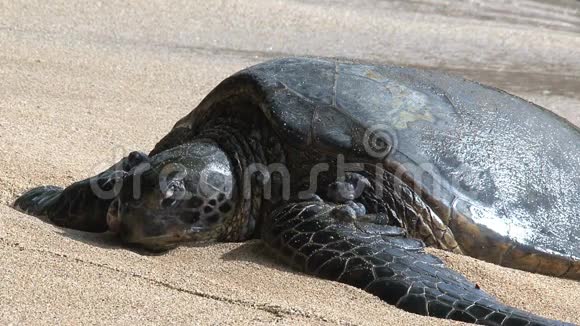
(83, 84)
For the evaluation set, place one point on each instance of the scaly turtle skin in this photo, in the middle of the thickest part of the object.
(345, 170)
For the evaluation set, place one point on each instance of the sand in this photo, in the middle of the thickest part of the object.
(83, 84)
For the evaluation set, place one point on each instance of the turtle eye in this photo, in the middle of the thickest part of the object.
(174, 189)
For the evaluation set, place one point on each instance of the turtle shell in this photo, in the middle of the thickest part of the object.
(495, 167)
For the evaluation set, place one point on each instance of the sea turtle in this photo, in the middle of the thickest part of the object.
(345, 170)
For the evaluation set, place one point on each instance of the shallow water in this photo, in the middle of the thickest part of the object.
(553, 14)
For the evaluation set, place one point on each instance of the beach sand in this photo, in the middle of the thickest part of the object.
(83, 84)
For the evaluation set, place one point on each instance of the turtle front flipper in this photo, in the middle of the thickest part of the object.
(84, 204)
(37, 201)
(386, 264)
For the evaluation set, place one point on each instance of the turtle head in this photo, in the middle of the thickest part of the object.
(186, 193)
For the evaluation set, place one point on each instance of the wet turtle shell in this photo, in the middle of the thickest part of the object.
(501, 172)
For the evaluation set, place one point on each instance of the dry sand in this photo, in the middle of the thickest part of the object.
(82, 84)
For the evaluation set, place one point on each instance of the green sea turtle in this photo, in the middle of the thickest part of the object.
(345, 170)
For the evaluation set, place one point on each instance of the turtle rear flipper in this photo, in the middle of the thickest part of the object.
(390, 266)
